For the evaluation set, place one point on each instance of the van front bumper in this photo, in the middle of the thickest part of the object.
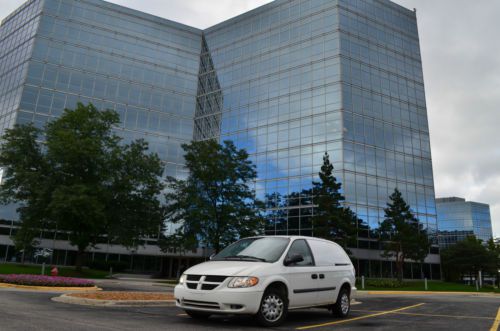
(219, 301)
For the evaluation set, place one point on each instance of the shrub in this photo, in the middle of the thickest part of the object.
(51, 281)
(118, 266)
(384, 283)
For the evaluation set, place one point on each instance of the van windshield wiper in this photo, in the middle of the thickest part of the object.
(244, 257)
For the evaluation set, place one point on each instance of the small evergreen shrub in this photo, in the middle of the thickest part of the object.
(383, 283)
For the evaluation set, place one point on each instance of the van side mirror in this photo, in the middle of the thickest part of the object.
(295, 258)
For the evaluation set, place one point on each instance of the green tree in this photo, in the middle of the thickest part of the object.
(466, 258)
(494, 249)
(402, 235)
(215, 205)
(75, 175)
(25, 240)
(331, 219)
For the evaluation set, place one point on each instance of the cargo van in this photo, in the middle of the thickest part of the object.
(267, 276)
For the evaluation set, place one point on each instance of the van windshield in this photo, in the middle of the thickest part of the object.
(264, 249)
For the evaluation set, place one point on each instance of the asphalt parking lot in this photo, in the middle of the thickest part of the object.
(21, 310)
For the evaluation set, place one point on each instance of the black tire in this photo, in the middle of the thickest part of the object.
(273, 308)
(199, 315)
(342, 307)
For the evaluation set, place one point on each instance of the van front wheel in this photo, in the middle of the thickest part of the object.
(273, 308)
(342, 307)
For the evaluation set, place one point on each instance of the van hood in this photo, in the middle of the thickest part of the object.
(226, 268)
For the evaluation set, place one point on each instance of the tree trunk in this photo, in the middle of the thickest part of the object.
(216, 246)
(399, 265)
(80, 254)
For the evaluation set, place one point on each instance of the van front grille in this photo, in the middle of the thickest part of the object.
(208, 287)
(194, 278)
(215, 279)
(204, 283)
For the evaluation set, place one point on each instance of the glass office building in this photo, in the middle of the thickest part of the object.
(55, 53)
(459, 218)
(301, 78)
(288, 81)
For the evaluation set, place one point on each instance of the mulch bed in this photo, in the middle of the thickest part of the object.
(124, 296)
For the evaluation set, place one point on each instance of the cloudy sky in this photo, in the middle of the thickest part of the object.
(460, 53)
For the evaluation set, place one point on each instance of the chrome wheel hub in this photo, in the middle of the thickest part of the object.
(272, 308)
(344, 303)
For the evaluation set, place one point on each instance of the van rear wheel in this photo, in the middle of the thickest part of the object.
(273, 308)
(342, 307)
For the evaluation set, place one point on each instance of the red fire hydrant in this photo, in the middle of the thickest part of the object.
(54, 272)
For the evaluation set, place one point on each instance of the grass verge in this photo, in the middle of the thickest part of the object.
(29, 269)
(433, 285)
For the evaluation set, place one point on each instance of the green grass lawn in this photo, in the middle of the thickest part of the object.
(10, 268)
(432, 286)
(169, 281)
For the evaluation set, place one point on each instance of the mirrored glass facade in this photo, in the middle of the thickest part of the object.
(301, 78)
(385, 127)
(288, 81)
(459, 218)
(144, 67)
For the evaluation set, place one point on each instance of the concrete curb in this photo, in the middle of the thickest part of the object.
(51, 288)
(65, 298)
(428, 293)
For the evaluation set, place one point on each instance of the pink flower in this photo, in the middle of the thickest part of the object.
(39, 280)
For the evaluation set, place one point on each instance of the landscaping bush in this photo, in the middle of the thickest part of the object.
(117, 266)
(384, 283)
(38, 280)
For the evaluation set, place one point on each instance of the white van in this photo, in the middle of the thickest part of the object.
(267, 276)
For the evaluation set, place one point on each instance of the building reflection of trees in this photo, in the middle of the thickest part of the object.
(292, 214)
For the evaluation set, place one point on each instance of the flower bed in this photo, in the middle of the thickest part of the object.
(50, 281)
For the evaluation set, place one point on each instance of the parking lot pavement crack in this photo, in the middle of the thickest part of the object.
(359, 318)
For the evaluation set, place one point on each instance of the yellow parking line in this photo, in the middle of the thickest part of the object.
(429, 315)
(359, 318)
(495, 325)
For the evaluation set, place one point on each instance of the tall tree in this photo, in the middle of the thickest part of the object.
(402, 235)
(25, 240)
(215, 205)
(467, 257)
(331, 219)
(494, 249)
(77, 176)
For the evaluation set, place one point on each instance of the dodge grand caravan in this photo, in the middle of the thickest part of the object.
(266, 277)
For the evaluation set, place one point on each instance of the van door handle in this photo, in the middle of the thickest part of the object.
(314, 276)
(321, 276)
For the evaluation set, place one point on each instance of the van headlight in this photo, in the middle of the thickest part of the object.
(182, 280)
(240, 282)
